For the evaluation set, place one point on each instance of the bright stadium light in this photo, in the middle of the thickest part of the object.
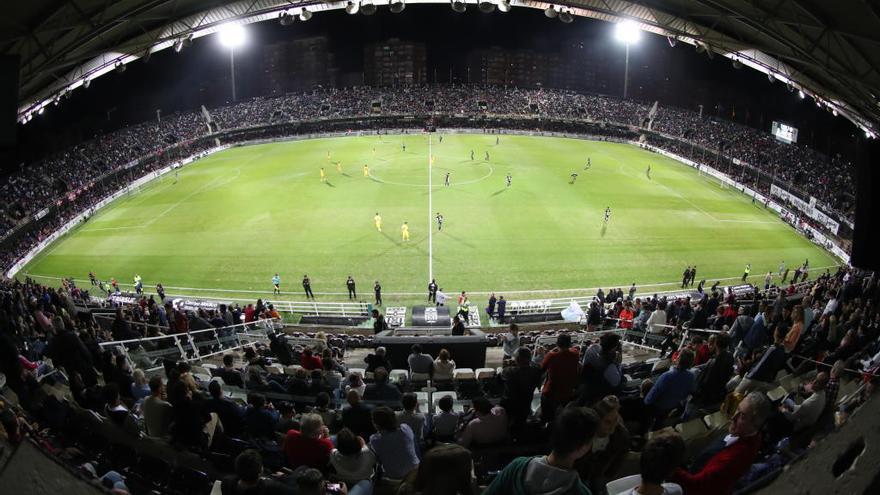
(627, 32)
(232, 35)
(486, 6)
(458, 5)
(352, 7)
(368, 7)
(305, 15)
(801, 94)
(504, 6)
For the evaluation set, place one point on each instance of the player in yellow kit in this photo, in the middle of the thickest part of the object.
(328, 156)
(339, 167)
(433, 158)
(378, 221)
(404, 232)
(366, 170)
(323, 175)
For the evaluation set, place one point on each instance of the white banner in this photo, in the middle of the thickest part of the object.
(808, 208)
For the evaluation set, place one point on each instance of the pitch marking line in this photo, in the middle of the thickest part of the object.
(424, 293)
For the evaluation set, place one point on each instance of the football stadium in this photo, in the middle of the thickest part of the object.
(493, 247)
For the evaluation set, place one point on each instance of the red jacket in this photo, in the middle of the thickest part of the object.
(562, 369)
(722, 470)
(626, 318)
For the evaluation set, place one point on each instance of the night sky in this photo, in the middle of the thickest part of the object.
(199, 75)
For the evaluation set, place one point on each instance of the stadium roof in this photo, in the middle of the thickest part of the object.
(828, 50)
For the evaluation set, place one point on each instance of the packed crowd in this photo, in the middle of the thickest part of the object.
(64, 174)
(322, 421)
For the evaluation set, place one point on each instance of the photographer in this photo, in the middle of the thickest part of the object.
(601, 373)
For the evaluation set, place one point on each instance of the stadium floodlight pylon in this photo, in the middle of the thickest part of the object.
(396, 6)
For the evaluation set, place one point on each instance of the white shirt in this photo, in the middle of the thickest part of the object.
(656, 320)
(352, 469)
(441, 297)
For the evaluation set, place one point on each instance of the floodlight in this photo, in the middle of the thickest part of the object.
(458, 5)
(550, 12)
(801, 94)
(120, 67)
(396, 6)
(566, 17)
(834, 112)
(87, 83)
(352, 7)
(486, 6)
(627, 32)
(672, 41)
(504, 6)
(771, 77)
(285, 19)
(232, 35)
(737, 64)
(178, 45)
(305, 15)
(40, 111)
(368, 7)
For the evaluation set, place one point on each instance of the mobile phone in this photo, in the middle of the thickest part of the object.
(331, 488)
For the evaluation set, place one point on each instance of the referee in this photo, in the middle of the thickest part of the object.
(378, 290)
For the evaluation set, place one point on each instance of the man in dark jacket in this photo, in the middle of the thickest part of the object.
(230, 413)
(377, 360)
(520, 382)
(67, 351)
(711, 385)
(356, 417)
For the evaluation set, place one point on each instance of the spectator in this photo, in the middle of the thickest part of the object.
(393, 444)
(287, 420)
(309, 361)
(356, 383)
(323, 407)
(229, 374)
(446, 469)
(310, 446)
(444, 424)
(488, 426)
(139, 387)
(158, 413)
(381, 389)
(377, 360)
(561, 367)
(601, 373)
(510, 341)
(520, 382)
(420, 363)
(249, 480)
(763, 374)
(670, 390)
(231, 414)
(609, 447)
(711, 385)
(357, 417)
(570, 440)
(719, 466)
(118, 414)
(660, 457)
(443, 366)
(193, 426)
(657, 321)
(261, 418)
(280, 348)
(411, 416)
(352, 460)
(805, 415)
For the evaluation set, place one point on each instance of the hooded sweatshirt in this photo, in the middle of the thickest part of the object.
(534, 476)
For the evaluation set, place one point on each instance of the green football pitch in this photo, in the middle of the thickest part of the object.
(235, 218)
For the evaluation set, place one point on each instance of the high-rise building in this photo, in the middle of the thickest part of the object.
(299, 65)
(395, 63)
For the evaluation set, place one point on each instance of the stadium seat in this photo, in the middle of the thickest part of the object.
(777, 393)
(485, 373)
(218, 380)
(420, 377)
(463, 374)
(715, 420)
(691, 429)
(789, 383)
(435, 398)
(210, 366)
(275, 368)
(202, 377)
(398, 375)
(361, 372)
(291, 370)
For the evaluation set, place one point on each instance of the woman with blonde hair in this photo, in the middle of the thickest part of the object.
(443, 366)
